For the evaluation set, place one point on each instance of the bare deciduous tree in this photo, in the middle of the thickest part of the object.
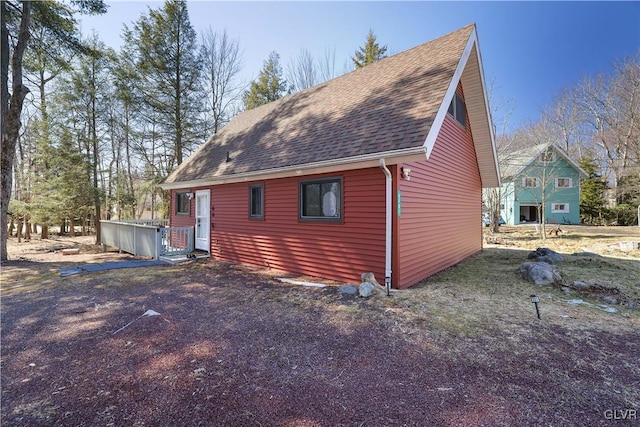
(302, 72)
(610, 106)
(222, 64)
(327, 65)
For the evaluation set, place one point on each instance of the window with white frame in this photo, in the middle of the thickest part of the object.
(560, 208)
(548, 156)
(256, 201)
(321, 200)
(530, 182)
(564, 182)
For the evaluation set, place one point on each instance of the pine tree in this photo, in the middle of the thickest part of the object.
(592, 189)
(167, 57)
(16, 24)
(370, 53)
(268, 87)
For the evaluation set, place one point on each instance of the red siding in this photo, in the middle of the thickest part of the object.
(338, 251)
(439, 224)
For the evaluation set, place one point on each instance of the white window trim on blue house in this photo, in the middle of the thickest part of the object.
(560, 208)
(528, 180)
(564, 179)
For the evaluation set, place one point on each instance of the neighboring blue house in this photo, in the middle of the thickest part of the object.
(527, 172)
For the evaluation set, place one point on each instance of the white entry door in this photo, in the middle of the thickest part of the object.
(202, 220)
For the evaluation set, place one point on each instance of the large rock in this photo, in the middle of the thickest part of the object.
(545, 255)
(540, 273)
(366, 289)
(369, 278)
(349, 289)
(579, 284)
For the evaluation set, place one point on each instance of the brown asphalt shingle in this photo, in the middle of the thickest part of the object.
(385, 106)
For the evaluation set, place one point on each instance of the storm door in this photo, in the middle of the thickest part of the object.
(203, 222)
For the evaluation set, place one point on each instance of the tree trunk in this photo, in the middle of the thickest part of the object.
(19, 231)
(85, 220)
(96, 164)
(11, 227)
(129, 174)
(11, 110)
(495, 210)
(541, 215)
(44, 234)
(27, 229)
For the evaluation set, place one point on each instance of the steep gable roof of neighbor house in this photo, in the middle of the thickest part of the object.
(515, 163)
(390, 109)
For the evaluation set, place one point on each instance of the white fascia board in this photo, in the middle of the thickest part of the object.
(442, 111)
(485, 96)
(413, 154)
(444, 106)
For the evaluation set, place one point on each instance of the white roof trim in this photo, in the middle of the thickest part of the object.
(486, 106)
(444, 106)
(470, 48)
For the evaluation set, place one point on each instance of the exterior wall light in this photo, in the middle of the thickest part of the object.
(406, 173)
(189, 196)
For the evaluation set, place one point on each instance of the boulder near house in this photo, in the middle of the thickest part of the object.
(380, 170)
(526, 173)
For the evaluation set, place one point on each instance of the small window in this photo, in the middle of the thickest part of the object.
(182, 203)
(256, 201)
(457, 110)
(560, 208)
(321, 200)
(548, 156)
(530, 182)
(564, 183)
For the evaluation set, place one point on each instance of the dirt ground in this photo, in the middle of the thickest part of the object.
(224, 345)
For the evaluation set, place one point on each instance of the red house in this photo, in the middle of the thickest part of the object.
(377, 170)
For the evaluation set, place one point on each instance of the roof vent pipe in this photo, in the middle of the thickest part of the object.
(388, 213)
(228, 157)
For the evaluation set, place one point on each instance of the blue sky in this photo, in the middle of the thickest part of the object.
(531, 50)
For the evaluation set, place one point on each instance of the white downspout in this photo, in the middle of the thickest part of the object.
(389, 211)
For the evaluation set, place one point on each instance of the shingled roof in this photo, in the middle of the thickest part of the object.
(390, 109)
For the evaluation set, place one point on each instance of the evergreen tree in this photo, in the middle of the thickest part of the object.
(628, 199)
(80, 105)
(65, 193)
(16, 24)
(269, 86)
(126, 114)
(370, 53)
(167, 57)
(592, 192)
